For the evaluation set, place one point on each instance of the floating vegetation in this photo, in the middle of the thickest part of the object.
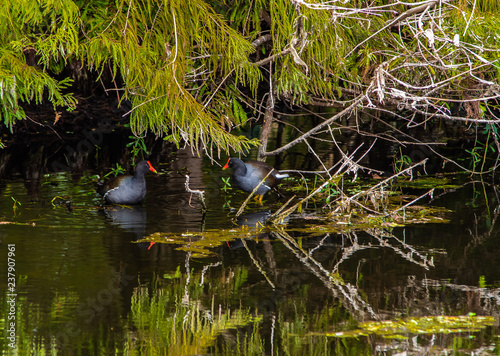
(202, 243)
(427, 182)
(403, 328)
(358, 221)
(313, 223)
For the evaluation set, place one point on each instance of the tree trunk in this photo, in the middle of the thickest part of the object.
(266, 128)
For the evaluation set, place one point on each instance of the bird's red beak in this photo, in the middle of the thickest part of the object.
(151, 168)
(227, 164)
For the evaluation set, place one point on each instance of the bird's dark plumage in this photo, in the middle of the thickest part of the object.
(127, 189)
(247, 175)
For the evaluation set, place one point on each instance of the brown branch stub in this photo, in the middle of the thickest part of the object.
(272, 58)
(261, 40)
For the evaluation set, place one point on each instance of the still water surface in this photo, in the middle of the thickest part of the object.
(84, 286)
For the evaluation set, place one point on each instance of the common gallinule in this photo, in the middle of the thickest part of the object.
(127, 189)
(247, 175)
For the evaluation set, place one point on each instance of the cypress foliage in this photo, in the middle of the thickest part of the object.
(163, 50)
(187, 66)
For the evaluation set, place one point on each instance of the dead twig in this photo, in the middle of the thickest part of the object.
(383, 183)
(200, 193)
(242, 207)
(301, 138)
(398, 19)
(430, 193)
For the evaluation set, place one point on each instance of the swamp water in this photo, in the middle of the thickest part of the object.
(88, 283)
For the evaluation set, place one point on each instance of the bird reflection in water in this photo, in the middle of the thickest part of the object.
(128, 217)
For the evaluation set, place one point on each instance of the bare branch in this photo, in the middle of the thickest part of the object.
(336, 117)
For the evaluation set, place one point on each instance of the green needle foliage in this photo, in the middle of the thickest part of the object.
(153, 46)
(195, 69)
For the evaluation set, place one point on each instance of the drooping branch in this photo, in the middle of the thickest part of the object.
(359, 100)
(398, 19)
